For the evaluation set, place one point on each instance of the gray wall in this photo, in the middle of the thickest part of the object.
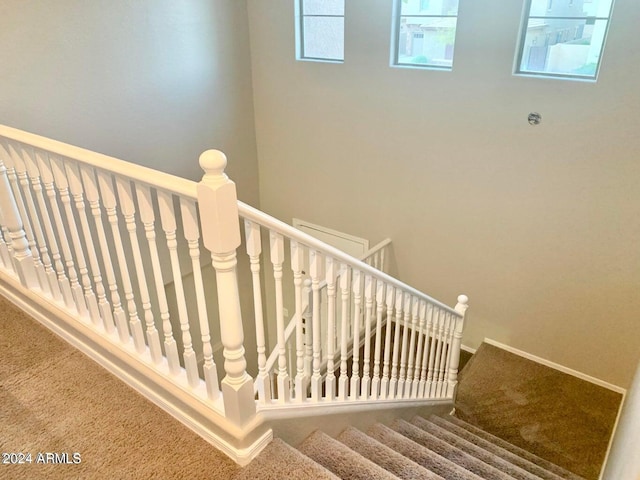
(152, 82)
(538, 225)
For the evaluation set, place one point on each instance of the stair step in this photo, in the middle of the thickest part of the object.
(448, 451)
(552, 467)
(529, 466)
(387, 458)
(474, 450)
(341, 460)
(419, 454)
(279, 460)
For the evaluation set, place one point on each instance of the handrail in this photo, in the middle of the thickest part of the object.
(376, 248)
(279, 226)
(148, 176)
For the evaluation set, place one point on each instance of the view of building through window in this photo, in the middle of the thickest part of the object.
(321, 30)
(563, 37)
(425, 32)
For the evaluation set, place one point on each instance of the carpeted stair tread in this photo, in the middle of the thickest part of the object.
(450, 452)
(279, 460)
(387, 458)
(340, 459)
(528, 465)
(474, 450)
(550, 466)
(419, 454)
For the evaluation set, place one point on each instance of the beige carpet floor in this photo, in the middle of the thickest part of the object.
(556, 416)
(53, 399)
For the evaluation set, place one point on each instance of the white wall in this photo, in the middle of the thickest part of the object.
(152, 82)
(538, 225)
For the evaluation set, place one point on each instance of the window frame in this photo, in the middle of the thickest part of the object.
(300, 33)
(526, 17)
(395, 44)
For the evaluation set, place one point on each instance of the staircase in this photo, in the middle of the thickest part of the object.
(437, 447)
(109, 255)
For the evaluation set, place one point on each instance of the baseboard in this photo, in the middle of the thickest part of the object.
(470, 350)
(556, 366)
(613, 436)
(240, 444)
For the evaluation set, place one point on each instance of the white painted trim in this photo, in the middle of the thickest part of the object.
(613, 436)
(556, 366)
(309, 228)
(277, 411)
(472, 351)
(240, 444)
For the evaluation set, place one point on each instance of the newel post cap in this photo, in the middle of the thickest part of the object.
(213, 162)
(462, 305)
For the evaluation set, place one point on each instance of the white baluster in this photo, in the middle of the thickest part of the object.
(297, 266)
(384, 385)
(145, 203)
(316, 271)
(169, 226)
(254, 249)
(277, 259)
(345, 282)
(19, 244)
(77, 192)
(14, 159)
(461, 308)
(422, 313)
(308, 329)
(375, 382)
(90, 305)
(27, 216)
(366, 363)
(434, 322)
(46, 175)
(31, 167)
(5, 256)
(382, 265)
(412, 345)
(393, 384)
(118, 320)
(403, 356)
(109, 200)
(220, 228)
(441, 361)
(192, 235)
(451, 326)
(357, 314)
(330, 278)
(438, 354)
(125, 195)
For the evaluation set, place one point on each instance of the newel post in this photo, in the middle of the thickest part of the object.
(452, 379)
(22, 258)
(221, 236)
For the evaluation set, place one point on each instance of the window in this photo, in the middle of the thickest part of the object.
(563, 38)
(424, 33)
(320, 30)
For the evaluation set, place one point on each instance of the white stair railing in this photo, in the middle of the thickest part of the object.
(105, 242)
(417, 358)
